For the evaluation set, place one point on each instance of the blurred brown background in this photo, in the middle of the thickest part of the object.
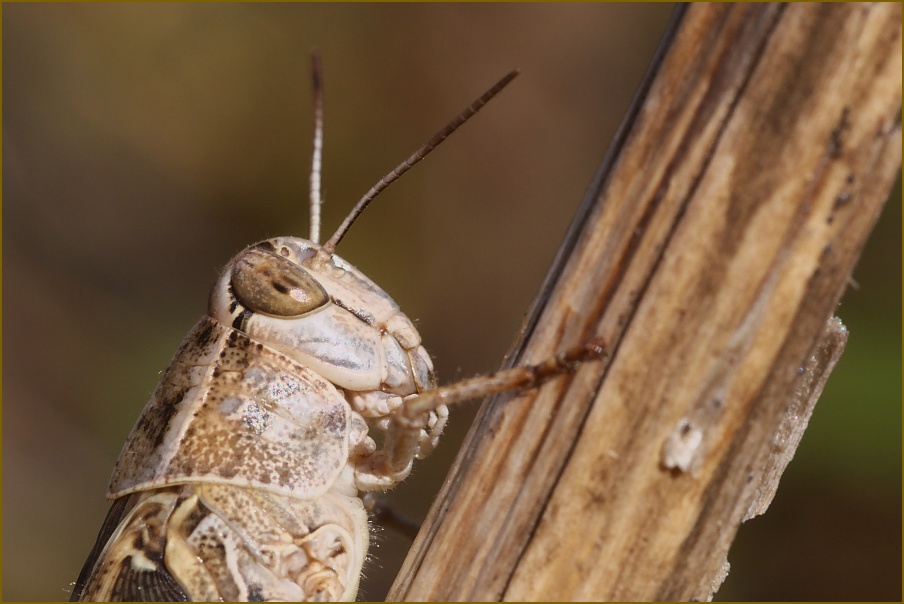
(143, 145)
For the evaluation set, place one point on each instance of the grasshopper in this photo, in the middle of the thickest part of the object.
(241, 478)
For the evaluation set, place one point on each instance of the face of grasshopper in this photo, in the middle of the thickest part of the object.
(323, 313)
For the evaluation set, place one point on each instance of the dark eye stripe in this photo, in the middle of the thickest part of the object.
(362, 315)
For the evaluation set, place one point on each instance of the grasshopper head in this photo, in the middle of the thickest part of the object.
(326, 314)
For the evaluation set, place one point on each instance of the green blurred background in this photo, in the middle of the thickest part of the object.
(144, 144)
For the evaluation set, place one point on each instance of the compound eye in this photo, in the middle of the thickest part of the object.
(267, 283)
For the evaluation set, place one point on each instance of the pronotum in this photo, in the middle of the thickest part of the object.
(241, 478)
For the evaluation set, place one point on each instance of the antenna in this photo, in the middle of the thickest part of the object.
(317, 158)
(329, 247)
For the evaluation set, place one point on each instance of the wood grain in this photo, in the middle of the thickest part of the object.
(710, 254)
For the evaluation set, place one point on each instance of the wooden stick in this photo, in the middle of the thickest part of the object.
(712, 251)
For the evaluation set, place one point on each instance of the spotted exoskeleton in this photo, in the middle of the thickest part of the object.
(241, 479)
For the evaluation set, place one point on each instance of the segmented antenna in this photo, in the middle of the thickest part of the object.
(317, 158)
(329, 247)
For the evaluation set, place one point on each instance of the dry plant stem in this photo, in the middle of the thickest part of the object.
(709, 255)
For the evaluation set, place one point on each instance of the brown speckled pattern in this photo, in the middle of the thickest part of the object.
(232, 411)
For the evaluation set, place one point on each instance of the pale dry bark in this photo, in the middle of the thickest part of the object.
(710, 254)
